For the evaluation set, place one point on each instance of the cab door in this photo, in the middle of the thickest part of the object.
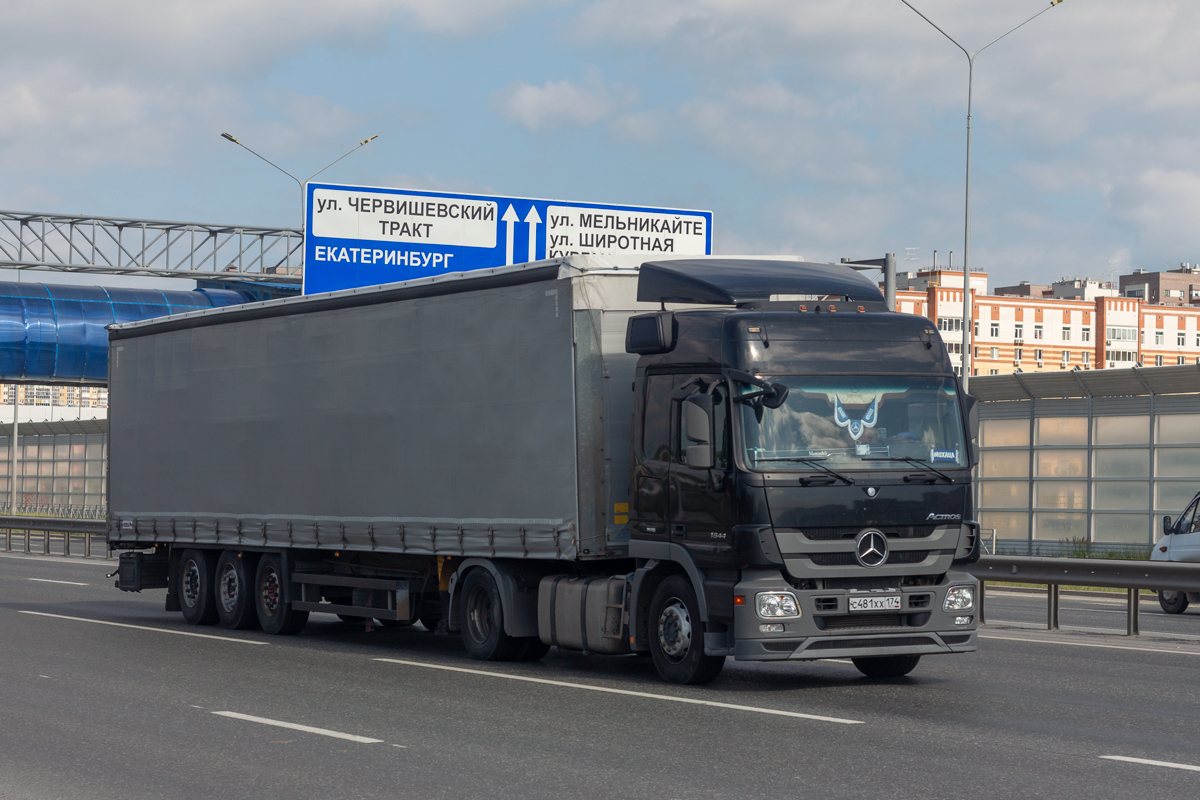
(1185, 543)
(702, 511)
(652, 459)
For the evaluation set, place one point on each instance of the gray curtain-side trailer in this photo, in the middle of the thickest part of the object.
(484, 414)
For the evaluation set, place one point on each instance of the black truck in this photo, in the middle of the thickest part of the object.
(694, 459)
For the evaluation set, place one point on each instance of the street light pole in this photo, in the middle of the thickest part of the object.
(301, 183)
(968, 328)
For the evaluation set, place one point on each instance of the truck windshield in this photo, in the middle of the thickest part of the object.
(870, 422)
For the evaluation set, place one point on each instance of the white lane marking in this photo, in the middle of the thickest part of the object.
(43, 676)
(142, 627)
(350, 737)
(69, 583)
(1090, 644)
(83, 562)
(1151, 762)
(627, 692)
(839, 660)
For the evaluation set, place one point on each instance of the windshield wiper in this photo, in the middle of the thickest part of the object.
(815, 462)
(918, 462)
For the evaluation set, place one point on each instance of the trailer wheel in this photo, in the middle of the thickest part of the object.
(886, 666)
(483, 620)
(1172, 602)
(196, 574)
(677, 635)
(234, 596)
(275, 616)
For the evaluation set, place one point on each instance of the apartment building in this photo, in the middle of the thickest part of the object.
(1174, 287)
(1036, 334)
(41, 403)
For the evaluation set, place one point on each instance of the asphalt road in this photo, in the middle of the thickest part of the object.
(137, 710)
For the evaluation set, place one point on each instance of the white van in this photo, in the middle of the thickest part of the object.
(1180, 542)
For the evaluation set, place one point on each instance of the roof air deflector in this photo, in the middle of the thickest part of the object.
(747, 281)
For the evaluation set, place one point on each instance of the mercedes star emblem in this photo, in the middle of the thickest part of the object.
(871, 548)
(872, 491)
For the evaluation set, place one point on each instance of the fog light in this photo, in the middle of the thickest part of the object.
(777, 604)
(962, 620)
(959, 598)
(771, 627)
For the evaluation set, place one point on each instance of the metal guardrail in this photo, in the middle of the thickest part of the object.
(1132, 576)
(66, 526)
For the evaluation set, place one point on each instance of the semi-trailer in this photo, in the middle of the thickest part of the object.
(696, 459)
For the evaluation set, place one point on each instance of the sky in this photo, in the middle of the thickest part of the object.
(821, 128)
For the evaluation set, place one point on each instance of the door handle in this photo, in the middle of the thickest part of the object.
(678, 529)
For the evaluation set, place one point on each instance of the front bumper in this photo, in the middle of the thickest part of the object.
(826, 629)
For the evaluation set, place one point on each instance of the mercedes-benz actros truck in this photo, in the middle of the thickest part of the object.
(696, 459)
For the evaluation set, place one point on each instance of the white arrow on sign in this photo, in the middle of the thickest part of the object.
(511, 218)
(533, 219)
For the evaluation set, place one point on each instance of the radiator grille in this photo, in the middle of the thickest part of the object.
(907, 556)
(863, 621)
(851, 560)
(834, 559)
(845, 644)
(850, 532)
(780, 647)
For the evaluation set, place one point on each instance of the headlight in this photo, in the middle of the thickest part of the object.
(777, 604)
(959, 598)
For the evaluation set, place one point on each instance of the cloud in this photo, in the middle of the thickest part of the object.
(565, 103)
(125, 84)
(230, 37)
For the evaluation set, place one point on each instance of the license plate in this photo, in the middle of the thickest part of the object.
(887, 603)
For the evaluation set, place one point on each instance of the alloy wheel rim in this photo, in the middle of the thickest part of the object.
(480, 617)
(675, 630)
(191, 584)
(270, 592)
(228, 588)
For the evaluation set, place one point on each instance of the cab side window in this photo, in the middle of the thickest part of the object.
(1189, 523)
(656, 419)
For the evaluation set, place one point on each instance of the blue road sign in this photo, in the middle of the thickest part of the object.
(364, 236)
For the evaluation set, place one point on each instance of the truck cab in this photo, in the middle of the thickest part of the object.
(1180, 542)
(804, 455)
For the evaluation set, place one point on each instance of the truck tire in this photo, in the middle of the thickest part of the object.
(1172, 602)
(886, 666)
(234, 595)
(483, 620)
(196, 579)
(276, 617)
(677, 635)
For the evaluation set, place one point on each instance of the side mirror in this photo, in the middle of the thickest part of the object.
(651, 334)
(778, 399)
(1167, 525)
(698, 427)
(972, 408)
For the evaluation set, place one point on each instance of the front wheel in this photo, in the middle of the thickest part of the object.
(886, 666)
(1172, 602)
(677, 635)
